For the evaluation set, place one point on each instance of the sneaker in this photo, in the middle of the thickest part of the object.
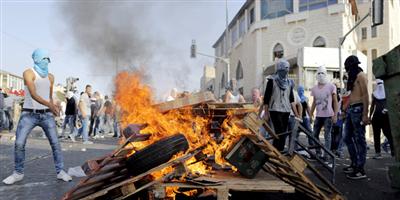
(64, 176)
(13, 178)
(348, 170)
(329, 164)
(102, 137)
(72, 137)
(87, 142)
(357, 174)
(377, 156)
(96, 137)
(385, 147)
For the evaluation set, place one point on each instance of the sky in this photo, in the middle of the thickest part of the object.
(154, 36)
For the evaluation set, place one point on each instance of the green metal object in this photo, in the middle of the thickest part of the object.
(247, 157)
(387, 68)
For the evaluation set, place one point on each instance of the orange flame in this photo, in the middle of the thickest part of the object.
(135, 101)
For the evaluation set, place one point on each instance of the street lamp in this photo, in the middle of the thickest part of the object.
(377, 19)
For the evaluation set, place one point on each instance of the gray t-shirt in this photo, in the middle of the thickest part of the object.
(86, 102)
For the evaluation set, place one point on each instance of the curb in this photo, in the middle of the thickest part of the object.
(7, 137)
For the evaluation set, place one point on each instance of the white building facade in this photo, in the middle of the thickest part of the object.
(11, 81)
(208, 78)
(264, 30)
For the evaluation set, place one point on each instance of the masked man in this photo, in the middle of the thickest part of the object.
(38, 110)
(279, 101)
(380, 118)
(325, 102)
(357, 118)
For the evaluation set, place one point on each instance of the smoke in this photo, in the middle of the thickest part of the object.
(109, 34)
(151, 37)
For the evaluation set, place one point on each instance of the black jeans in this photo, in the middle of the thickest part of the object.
(336, 137)
(280, 121)
(381, 122)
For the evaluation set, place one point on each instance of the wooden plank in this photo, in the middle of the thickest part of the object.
(194, 99)
(298, 163)
(222, 194)
(127, 189)
(263, 182)
(136, 178)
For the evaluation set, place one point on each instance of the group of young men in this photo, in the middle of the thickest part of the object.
(331, 109)
(97, 115)
(280, 105)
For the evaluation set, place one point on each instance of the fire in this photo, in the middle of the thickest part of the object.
(135, 100)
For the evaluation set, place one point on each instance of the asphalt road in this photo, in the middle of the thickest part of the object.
(40, 178)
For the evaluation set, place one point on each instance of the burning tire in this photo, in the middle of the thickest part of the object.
(156, 154)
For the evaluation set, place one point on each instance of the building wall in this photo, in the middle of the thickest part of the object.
(10, 81)
(388, 34)
(208, 78)
(300, 29)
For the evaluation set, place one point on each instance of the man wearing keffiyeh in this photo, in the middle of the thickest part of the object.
(279, 101)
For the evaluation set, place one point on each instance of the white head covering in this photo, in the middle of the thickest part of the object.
(69, 94)
(322, 75)
(379, 91)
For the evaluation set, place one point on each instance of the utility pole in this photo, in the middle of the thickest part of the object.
(228, 65)
(341, 41)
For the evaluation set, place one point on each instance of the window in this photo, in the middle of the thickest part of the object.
(365, 52)
(251, 17)
(278, 51)
(364, 33)
(234, 35)
(319, 42)
(239, 71)
(374, 32)
(374, 54)
(305, 5)
(223, 80)
(242, 26)
(275, 8)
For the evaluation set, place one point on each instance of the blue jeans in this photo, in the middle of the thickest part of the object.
(85, 128)
(27, 122)
(355, 137)
(70, 122)
(306, 124)
(116, 128)
(326, 122)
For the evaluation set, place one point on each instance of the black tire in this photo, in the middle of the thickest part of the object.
(156, 154)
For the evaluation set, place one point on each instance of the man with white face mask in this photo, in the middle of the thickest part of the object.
(380, 119)
(325, 102)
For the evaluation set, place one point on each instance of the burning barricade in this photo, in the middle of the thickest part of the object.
(190, 147)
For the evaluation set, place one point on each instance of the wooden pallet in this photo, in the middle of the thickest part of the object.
(194, 99)
(229, 181)
(128, 187)
(290, 168)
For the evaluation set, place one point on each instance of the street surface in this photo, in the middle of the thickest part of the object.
(40, 179)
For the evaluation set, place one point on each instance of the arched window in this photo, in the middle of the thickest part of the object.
(319, 42)
(239, 71)
(278, 51)
(223, 80)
